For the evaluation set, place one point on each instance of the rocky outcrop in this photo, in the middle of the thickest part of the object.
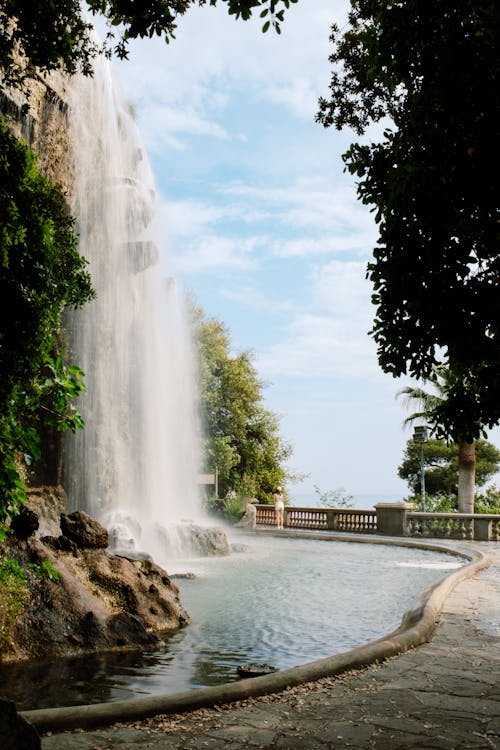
(41, 120)
(84, 531)
(80, 598)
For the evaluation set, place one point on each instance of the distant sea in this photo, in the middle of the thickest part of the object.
(362, 501)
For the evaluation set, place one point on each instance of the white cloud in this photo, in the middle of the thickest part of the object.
(328, 334)
(299, 96)
(309, 203)
(192, 218)
(213, 253)
(298, 221)
(331, 244)
(341, 289)
(214, 59)
(318, 346)
(253, 299)
(166, 125)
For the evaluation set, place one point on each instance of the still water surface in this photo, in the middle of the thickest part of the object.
(284, 602)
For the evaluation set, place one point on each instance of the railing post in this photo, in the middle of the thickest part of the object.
(482, 529)
(391, 518)
(331, 519)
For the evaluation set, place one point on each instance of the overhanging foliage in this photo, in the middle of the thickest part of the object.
(434, 70)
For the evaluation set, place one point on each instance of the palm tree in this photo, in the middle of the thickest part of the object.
(428, 405)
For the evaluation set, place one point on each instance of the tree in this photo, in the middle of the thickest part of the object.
(434, 70)
(441, 466)
(241, 436)
(41, 272)
(337, 498)
(430, 407)
(58, 36)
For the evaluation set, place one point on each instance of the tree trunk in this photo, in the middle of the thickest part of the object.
(466, 477)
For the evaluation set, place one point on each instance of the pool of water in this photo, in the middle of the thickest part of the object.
(284, 602)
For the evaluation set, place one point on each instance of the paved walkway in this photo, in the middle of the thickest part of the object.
(442, 695)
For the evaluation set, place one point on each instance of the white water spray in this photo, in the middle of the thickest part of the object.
(134, 467)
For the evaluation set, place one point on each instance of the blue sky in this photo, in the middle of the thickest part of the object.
(264, 229)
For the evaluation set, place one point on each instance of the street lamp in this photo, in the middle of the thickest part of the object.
(420, 436)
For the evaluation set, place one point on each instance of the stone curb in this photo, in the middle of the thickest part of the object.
(417, 626)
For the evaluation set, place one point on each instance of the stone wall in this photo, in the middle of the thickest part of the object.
(44, 126)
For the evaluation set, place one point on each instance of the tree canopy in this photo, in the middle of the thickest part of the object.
(241, 436)
(58, 35)
(431, 73)
(441, 466)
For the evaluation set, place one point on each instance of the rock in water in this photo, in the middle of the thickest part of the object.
(191, 540)
(15, 732)
(79, 598)
(255, 670)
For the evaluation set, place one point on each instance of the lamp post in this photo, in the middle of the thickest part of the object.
(420, 436)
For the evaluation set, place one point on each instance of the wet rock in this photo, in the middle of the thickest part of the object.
(84, 531)
(133, 554)
(47, 503)
(128, 630)
(191, 540)
(15, 732)
(255, 670)
(237, 547)
(97, 602)
(60, 543)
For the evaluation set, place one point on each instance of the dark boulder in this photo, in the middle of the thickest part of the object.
(60, 544)
(84, 531)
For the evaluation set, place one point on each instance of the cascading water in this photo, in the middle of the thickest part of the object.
(134, 467)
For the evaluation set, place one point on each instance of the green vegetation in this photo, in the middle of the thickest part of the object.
(488, 501)
(337, 498)
(241, 436)
(56, 35)
(433, 70)
(15, 591)
(41, 273)
(232, 507)
(430, 405)
(44, 570)
(441, 472)
(14, 594)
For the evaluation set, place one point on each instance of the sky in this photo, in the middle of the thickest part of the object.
(265, 231)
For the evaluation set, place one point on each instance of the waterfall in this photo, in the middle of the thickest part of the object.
(135, 464)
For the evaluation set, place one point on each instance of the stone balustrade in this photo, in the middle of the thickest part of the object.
(328, 519)
(392, 519)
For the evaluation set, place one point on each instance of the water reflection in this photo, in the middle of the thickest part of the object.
(286, 602)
